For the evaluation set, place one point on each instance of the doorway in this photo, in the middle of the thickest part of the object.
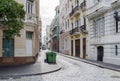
(8, 46)
(71, 47)
(100, 53)
(29, 44)
(77, 48)
(84, 47)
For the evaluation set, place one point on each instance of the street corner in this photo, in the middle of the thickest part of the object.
(38, 68)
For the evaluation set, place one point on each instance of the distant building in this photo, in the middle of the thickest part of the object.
(54, 28)
(48, 39)
(44, 41)
(23, 49)
(73, 28)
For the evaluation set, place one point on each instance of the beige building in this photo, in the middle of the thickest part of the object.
(23, 49)
(73, 27)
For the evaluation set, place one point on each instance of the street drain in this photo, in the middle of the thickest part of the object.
(115, 76)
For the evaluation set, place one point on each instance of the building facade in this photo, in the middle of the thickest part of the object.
(73, 27)
(23, 49)
(48, 38)
(55, 31)
(104, 28)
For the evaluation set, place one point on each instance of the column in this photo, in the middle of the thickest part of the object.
(81, 47)
(70, 49)
(73, 46)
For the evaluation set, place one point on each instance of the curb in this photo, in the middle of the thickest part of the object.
(34, 74)
(86, 61)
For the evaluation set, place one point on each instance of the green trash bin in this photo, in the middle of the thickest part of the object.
(51, 57)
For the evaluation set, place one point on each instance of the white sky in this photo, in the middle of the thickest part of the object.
(47, 12)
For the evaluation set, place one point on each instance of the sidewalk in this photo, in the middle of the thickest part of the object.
(38, 68)
(96, 63)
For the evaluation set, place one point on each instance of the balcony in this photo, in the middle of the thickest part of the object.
(54, 35)
(83, 5)
(75, 11)
(99, 8)
(115, 3)
(75, 31)
(31, 18)
(62, 31)
(83, 29)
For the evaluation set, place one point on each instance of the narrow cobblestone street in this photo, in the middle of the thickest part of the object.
(73, 70)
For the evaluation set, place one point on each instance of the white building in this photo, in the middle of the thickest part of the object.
(104, 30)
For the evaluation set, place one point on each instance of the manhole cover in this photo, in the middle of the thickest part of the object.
(115, 76)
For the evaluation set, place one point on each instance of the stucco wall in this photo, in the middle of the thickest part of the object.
(20, 44)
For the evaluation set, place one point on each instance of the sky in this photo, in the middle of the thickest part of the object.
(47, 12)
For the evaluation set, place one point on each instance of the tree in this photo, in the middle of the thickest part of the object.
(12, 17)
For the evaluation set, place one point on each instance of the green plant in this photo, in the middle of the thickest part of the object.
(12, 17)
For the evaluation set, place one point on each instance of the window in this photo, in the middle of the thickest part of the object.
(29, 35)
(62, 44)
(85, 23)
(68, 3)
(99, 27)
(76, 23)
(58, 11)
(96, 1)
(79, 21)
(72, 6)
(77, 3)
(68, 23)
(116, 50)
(72, 25)
(29, 6)
(66, 6)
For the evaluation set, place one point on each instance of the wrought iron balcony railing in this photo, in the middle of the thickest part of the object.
(74, 10)
(62, 31)
(73, 31)
(83, 29)
(83, 5)
(78, 29)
